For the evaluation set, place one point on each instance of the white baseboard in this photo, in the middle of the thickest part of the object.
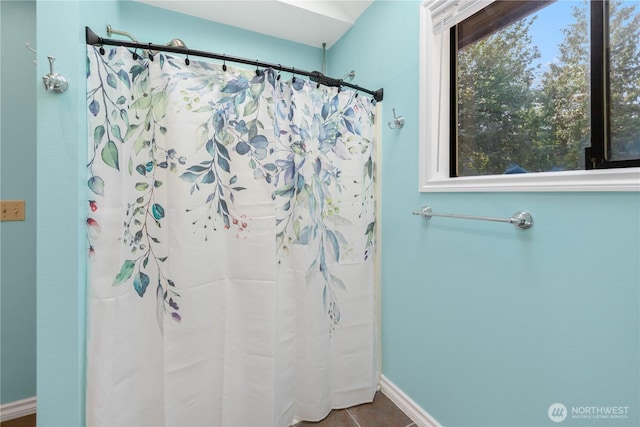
(17, 409)
(408, 406)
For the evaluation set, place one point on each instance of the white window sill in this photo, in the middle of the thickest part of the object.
(627, 179)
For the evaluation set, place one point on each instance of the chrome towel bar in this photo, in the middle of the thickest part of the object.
(521, 219)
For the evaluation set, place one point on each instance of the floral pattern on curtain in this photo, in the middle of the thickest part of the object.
(246, 205)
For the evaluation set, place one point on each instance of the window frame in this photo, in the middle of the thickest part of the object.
(434, 131)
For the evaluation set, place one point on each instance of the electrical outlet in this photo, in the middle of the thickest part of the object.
(12, 210)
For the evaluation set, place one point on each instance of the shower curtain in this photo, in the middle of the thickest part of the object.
(231, 231)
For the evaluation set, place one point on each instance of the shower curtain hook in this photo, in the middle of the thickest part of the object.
(293, 79)
(279, 71)
(101, 46)
(257, 69)
(150, 53)
(186, 60)
(224, 62)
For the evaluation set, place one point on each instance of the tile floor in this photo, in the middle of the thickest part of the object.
(26, 421)
(380, 413)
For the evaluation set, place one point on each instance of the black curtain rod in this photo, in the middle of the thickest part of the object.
(315, 76)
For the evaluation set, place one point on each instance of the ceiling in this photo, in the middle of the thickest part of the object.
(304, 21)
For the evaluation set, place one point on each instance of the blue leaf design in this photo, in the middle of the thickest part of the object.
(96, 184)
(224, 164)
(135, 71)
(94, 107)
(334, 243)
(223, 205)
(326, 108)
(222, 150)
(298, 84)
(235, 86)
(209, 147)
(124, 78)
(242, 148)
(158, 211)
(208, 178)
(259, 141)
(140, 283)
(261, 153)
(218, 122)
(198, 168)
(349, 125)
(189, 176)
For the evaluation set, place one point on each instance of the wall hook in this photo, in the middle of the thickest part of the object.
(28, 45)
(398, 121)
(54, 82)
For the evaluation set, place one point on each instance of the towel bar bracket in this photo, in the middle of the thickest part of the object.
(521, 219)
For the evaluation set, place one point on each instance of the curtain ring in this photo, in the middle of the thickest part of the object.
(279, 71)
(101, 46)
(257, 69)
(293, 79)
(150, 53)
(186, 60)
(224, 62)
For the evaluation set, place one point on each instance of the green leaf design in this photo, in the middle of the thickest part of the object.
(370, 228)
(111, 81)
(202, 135)
(250, 108)
(96, 184)
(130, 131)
(98, 133)
(110, 155)
(139, 144)
(141, 186)
(125, 272)
(116, 132)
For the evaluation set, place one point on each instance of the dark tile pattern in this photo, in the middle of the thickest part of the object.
(379, 413)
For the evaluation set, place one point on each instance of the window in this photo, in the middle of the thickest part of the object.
(530, 95)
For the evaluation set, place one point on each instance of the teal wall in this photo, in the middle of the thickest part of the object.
(484, 324)
(18, 182)
(61, 180)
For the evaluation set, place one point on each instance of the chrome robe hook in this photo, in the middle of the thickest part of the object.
(54, 82)
(398, 121)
